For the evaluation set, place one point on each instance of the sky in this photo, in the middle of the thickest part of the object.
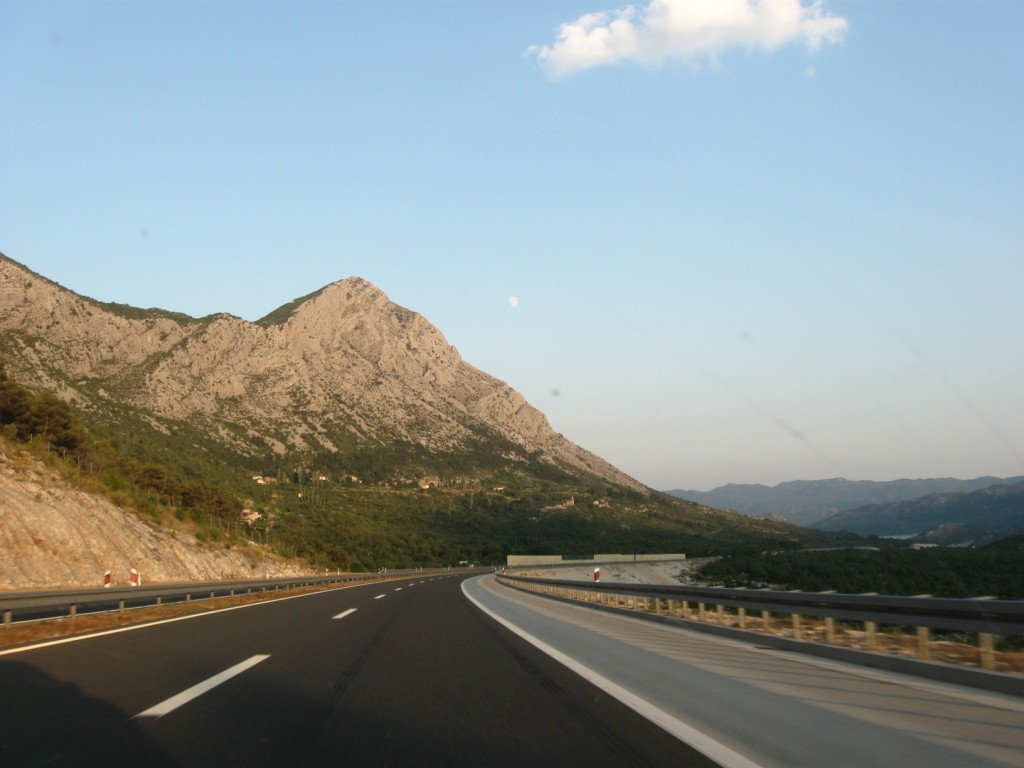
(713, 241)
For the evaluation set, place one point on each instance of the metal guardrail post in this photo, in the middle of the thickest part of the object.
(7, 618)
(822, 610)
(986, 651)
(871, 635)
(923, 637)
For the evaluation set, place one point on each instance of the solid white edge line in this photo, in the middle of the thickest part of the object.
(133, 627)
(700, 741)
(171, 704)
(343, 614)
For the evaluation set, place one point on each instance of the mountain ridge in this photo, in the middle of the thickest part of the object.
(805, 502)
(340, 428)
(342, 366)
(975, 518)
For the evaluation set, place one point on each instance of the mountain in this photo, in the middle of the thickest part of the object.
(805, 502)
(342, 371)
(974, 518)
(340, 428)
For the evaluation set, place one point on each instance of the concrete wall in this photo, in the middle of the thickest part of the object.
(519, 560)
(534, 560)
(634, 558)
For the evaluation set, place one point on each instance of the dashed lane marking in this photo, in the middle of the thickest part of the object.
(171, 704)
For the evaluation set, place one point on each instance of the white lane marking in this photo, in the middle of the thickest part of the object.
(700, 741)
(378, 597)
(199, 689)
(343, 614)
(398, 589)
(188, 617)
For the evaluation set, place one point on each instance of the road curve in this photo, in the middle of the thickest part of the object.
(404, 673)
(749, 705)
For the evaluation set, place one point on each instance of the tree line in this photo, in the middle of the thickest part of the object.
(996, 570)
(50, 428)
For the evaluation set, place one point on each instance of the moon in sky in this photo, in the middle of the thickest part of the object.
(513, 301)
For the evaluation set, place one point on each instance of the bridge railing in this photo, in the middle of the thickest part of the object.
(805, 615)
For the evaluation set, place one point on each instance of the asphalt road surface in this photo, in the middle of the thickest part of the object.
(453, 671)
(405, 673)
(755, 706)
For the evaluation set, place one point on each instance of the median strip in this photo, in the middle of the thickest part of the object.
(171, 704)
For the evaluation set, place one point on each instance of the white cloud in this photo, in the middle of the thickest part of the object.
(686, 29)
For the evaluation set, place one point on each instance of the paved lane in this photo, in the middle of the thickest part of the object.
(398, 673)
(771, 707)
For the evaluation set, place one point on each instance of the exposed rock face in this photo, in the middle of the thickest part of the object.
(54, 536)
(341, 365)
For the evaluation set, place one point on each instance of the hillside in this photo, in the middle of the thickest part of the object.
(54, 535)
(973, 518)
(340, 373)
(805, 502)
(343, 426)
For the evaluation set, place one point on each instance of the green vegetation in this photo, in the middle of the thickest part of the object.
(996, 570)
(49, 427)
(282, 313)
(362, 507)
(134, 313)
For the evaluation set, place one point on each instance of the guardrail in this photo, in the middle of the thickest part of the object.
(69, 601)
(987, 618)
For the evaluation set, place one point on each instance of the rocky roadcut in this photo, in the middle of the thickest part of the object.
(53, 536)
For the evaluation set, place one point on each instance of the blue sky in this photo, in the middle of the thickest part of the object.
(712, 241)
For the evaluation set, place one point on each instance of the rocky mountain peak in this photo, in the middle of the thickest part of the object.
(341, 366)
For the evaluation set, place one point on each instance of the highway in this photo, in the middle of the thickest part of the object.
(457, 671)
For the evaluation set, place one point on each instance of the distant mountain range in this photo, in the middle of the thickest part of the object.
(806, 502)
(974, 518)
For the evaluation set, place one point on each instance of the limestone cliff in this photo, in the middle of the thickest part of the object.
(342, 365)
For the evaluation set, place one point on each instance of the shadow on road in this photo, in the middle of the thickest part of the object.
(47, 722)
